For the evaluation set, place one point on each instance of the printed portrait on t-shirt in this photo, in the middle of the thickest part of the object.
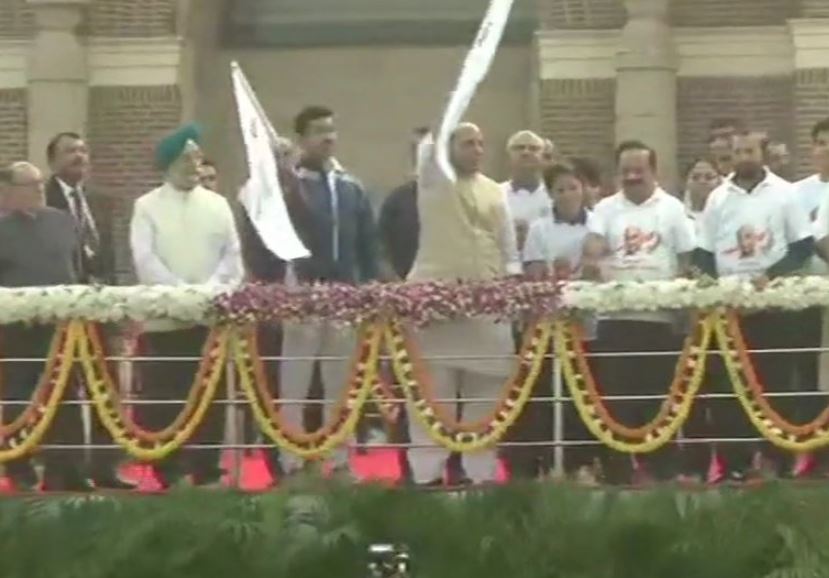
(750, 242)
(637, 241)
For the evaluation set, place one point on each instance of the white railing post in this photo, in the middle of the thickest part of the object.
(558, 419)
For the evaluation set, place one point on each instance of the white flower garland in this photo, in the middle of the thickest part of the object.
(791, 293)
(188, 304)
(195, 303)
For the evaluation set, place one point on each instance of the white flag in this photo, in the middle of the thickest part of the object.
(475, 68)
(262, 194)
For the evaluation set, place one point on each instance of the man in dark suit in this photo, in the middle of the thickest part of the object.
(68, 157)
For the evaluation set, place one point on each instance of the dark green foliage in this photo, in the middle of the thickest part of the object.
(318, 530)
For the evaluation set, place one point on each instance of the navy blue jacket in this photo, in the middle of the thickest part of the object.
(357, 245)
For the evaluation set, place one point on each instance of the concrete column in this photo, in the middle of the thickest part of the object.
(646, 90)
(58, 77)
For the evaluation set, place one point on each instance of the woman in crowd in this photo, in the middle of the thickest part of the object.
(554, 248)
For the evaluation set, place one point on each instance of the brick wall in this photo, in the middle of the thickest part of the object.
(132, 18)
(16, 19)
(579, 116)
(581, 14)
(732, 12)
(811, 100)
(124, 125)
(764, 103)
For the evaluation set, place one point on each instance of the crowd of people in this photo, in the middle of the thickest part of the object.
(554, 217)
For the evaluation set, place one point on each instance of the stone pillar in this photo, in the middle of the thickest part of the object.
(58, 78)
(646, 91)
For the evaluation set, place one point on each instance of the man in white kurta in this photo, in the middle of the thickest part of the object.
(466, 233)
(181, 234)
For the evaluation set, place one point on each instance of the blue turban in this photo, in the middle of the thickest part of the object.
(171, 146)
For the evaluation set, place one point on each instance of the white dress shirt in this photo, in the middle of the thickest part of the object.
(87, 213)
(526, 205)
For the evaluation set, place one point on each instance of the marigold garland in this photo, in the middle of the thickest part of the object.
(442, 427)
(384, 397)
(27, 438)
(106, 393)
(318, 444)
(137, 442)
(588, 401)
(749, 391)
(40, 394)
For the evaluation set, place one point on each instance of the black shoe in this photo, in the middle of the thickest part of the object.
(113, 482)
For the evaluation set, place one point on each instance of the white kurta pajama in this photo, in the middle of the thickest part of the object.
(465, 233)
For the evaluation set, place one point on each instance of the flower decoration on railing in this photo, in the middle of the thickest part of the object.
(387, 316)
(415, 303)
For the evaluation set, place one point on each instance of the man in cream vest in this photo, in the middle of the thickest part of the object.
(466, 233)
(181, 234)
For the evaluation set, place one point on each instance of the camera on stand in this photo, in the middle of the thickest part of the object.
(388, 561)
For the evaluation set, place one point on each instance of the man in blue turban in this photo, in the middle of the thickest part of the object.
(182, 234)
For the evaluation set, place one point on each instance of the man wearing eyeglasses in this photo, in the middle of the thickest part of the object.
(39, 247)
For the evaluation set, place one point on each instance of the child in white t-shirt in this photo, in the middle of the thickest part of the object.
(555, 243)
(554, 246)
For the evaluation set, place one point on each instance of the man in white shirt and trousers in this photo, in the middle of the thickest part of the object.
(754, 228)
(639, 234)
(528, 200)
(465, 233)
(182, 233)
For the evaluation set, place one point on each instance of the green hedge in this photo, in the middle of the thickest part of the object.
(321, 531)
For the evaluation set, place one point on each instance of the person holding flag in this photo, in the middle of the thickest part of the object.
(466, 233)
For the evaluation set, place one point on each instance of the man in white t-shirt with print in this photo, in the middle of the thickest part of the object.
(526, 194)
(639, 234)
(754, 228)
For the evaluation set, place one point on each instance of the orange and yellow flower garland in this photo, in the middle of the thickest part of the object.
(749, 390)
(75, 341)
(41, 413)
(137, 442)
(107, 397)
(41, 392)
(588, 401)
(318, 444)
(442, 427)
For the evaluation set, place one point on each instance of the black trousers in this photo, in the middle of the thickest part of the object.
(535, 424)
(19, 382)
(778, 374)
(103, 463)
(171, 380)
(636, 375)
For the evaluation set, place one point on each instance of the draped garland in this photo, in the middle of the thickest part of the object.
(387, 318)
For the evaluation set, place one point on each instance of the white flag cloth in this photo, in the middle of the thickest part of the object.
(475, 68)
(261, 196)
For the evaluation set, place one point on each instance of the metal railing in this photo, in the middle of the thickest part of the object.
(236, 406)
